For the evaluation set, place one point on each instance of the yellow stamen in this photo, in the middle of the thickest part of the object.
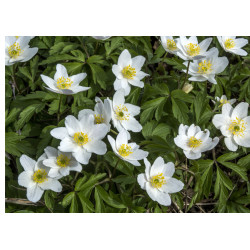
(193, 49)
(62, 161)
(237, 127)
(229, 43)
(40, 176)
(223, 101)
(125, 150)
(157, 181)
(99, 119)
(194, 143)
(80, 138)
(205, 67)
(121, 114)
(171, 45)
(14, 50)
(128, 72)
(64, 83)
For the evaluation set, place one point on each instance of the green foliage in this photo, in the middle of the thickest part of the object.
(218, 182)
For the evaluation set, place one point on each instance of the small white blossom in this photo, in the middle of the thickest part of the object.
(82, 137)
(158, 181)
(17, 49)
(169, 44)
(223, 100)
(190, 49)
(234, 124)
(123, 113)
(206, 69)
(233, 45)
(60, 163)
(102, 112)
(101, 37)
(62, 83)
(35, 178)
(129, 152)
(193, 141)
(128, 71)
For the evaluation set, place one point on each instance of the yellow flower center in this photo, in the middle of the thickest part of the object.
(205, 67)
(128, 72)
(193, 142)
(16, 37)
(121, 114)
(62, 161)
(80, 138)
(125, 150)
(99, 119)
(237, 127)
(223, 101)
(193, 49)
(64, 83)
(40, 176)
(14, 50)
(158, 181)
(171, 44)
(229, 43)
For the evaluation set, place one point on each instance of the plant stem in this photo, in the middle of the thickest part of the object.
(14, 78)
(111, 130)
(115, 167)
(186, 181)
(186, 74)
(58, 112)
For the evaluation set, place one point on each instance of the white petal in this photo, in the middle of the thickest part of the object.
(227, 109)
(112, 143)
(25, 179)
(240, 52)
(193, 130)
(28, 54)
(243, 140)
(147, 168)
(27, 163)
(61, 71)
(77, 79)
(132, 124)
(137, 62)
(72, 125)
(68, 145)
(156, 195)
(240, 42)
(138, 155)
(34, 193)
(97, 147)
(136, 82)
(141, 178)
(98, 132)
(140, 75)
(182, 142)
(59, 133)
(124, 59)
(172, 186)
(51, 152)
(240, 111)
(51, 184)
(220, 120)
(205, 44)
(77, 89)
(157, 167)
(54, 172)
(231, 145)
(191, 155)
(82, 156)
(132, 109)
(119, 97)
(183, 129)
(168, 169)
(50, 163)
(122, 138)
(117, 84)
(117, 70)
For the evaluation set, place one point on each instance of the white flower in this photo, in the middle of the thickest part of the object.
(101, 37)
(169, 44)
(129, 152)
(60, 163)
(234, 124)
(233, 45)
(62, 83)
(35, 178)
(128, 71)
(190, 49)
(123, 113)
(102, 112)
(223, 100)
(17, 49)
(81, 137)
(206, 69)
(158, 181)
(193, 141)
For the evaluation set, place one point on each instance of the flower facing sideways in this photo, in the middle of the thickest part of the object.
(128, 72)
(206, 69)
(129, 152)
(158, 181)
(193, 141)
(234, 124)
(223, 100)
(233, 45)
(102, 112)
(62, 83)
(60, 163)
(123, 113)
(36, 179)
(190, 49)
(17, 49)
(169, 44)
(81, 137)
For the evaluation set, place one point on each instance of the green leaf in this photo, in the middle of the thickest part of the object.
(224, 179)
(74, 205)
(67, 199)
(228, 157)
(244, 162)
(181, 95)
(49, 199)
(85, 202)
(180, 110)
